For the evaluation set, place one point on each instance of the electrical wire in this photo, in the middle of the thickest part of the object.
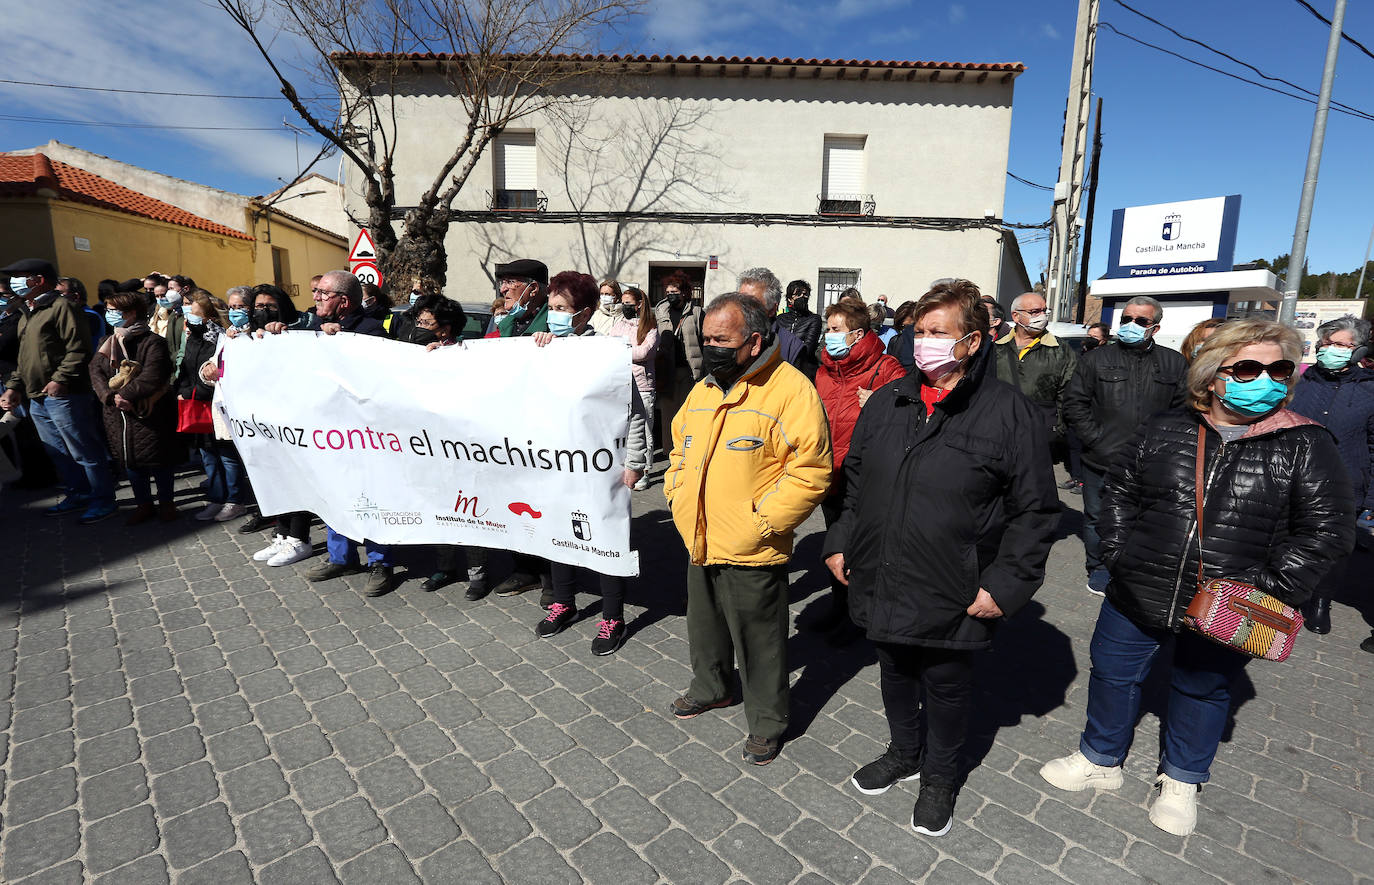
(1349, 39)
(1120, 33)
(56, 122)
(1029, 183)
(145, 91)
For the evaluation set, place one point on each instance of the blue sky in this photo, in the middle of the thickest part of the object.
(1172, 131)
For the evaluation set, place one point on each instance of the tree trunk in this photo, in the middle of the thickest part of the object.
(420, 254)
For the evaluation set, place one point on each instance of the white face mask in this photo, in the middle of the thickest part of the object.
(1037, 324)
(19, 286)
(606, 300)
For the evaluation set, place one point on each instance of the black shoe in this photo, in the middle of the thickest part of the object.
(327, 570)
(516, 584)
(1316, 613)
(610, 636)
(437, 580)
(1077, 489)
(378, 580)
(256, 523)
(476, 590)
(934, 811)
(1368, 644)
(878, 776)
(559, 616)
(760, 750)
(687, 707)
(1069, 483)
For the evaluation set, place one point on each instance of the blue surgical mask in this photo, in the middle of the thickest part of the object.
(193, 320)
(414, 297)
(165, 302)
(1333, 358)
(238, 317)
(1130, 334)
(19, 286)
(517, 311)
(4, 303)
(560, 324)
(1255, 397)
(114, 318)
(835, 346)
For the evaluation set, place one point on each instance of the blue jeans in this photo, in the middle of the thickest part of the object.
(344, 551)
(141, 483)
(69, 427)
(1199, 694)
(225, 473)
(1092, 506)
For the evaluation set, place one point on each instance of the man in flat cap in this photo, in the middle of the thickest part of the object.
(524, 285)
(53, 376)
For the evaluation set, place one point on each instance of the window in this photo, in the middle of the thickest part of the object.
(833, 282)
(842, 177)
(281, 268)
(514, 171)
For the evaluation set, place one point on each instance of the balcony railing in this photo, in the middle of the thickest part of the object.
(845, 204)
(502, 200)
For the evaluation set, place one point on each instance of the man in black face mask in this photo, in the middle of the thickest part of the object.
(800, 319)
(750, 461)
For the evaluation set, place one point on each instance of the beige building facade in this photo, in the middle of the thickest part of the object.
(880, 175)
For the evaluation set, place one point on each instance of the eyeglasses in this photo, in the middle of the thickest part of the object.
(1249, 370)
(327, 293)
(1033, 312)
(1143, 322)
(431, 325)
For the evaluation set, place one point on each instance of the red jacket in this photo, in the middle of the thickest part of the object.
(838, 383)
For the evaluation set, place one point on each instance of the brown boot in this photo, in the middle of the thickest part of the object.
(142, 514)
(167, 511)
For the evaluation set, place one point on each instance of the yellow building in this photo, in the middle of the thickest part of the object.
(93, 228)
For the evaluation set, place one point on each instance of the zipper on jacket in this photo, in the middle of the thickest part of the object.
(1192, 530)
(124, 417)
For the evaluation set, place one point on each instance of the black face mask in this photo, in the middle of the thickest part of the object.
(675, 299)
(1090, 343)
(629, 310)
(422, 336)
(264, 315)
(722, 363)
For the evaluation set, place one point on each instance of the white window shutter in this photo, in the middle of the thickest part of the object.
(844, 165)
(515, 162)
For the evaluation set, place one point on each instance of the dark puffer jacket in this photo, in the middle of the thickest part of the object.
(1114, 389)
(1276, 505)
(1343, 402)
(805, 325)
(938, 507)
(137, 441)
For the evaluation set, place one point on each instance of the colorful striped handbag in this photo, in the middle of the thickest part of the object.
(1234, 613)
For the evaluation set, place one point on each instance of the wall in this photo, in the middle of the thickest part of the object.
(28, 230)
(323, 209)
(124, 246)
(309, 252)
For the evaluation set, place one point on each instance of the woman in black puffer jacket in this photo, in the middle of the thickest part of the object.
(1277, 510)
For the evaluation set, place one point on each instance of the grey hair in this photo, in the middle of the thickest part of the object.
(756, 318)
(1021, 299)
(772, 286)
(877, 315)
(1354, 325)
(1152, 303)
(352, 286)
(244, 292)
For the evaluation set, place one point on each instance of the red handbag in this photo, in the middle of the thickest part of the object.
(193, 416)
(1234, 613)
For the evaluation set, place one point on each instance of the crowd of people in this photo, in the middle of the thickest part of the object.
(927, 436)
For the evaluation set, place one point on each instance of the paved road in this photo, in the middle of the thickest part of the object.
(173, 711)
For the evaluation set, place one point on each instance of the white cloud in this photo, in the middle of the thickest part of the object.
(957, 13)
(904, 34)
(1049, 30)
(728, 27)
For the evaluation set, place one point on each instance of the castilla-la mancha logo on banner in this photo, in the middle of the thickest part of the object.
(581, 526)
(1173, 227)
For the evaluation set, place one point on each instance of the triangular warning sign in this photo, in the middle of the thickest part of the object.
(363, 248)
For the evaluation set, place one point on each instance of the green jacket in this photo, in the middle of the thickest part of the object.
(539, 323)
(1042, 374)
(54, 345)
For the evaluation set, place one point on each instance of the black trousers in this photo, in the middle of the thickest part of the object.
(612, 590)
(927, 693)
(456, 559)
(294, 525)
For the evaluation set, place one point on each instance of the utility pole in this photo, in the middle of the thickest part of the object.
(1298, 255)
(1068, 191)
(1359, 287)
(1093, 171)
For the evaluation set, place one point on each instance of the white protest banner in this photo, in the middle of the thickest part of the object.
(495, 443)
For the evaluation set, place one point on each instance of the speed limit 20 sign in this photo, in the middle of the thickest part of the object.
(367, 272)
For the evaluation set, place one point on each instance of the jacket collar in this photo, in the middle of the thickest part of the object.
(1046, 340)
(862, 357)
(910, 384)
(1275, 422)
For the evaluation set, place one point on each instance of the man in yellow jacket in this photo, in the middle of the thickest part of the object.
(750, 461)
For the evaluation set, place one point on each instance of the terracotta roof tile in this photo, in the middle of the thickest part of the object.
(22, 176)
(993, 67)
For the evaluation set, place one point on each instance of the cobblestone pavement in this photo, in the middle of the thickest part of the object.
(173, 711)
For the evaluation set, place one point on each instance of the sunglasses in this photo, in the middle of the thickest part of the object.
(1249, 370)
(1139, 321)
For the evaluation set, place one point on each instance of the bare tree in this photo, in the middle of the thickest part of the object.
(502, 59)
(662, 159)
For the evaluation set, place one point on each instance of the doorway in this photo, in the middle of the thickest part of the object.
(696, 274)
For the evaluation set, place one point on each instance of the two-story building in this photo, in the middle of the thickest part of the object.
(884, 175)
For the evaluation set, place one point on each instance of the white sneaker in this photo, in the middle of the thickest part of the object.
(270, 550)
(209, 513)
(291, 550)
(1175, 810)
(230, 511)
(1075, 773)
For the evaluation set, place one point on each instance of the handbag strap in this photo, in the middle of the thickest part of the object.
(1197, 494)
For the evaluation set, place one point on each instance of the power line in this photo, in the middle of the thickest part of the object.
(1225, 55)
(1029, 183)
(56, 122)
(1349, 39)
(1340, 110)
(151, 92)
